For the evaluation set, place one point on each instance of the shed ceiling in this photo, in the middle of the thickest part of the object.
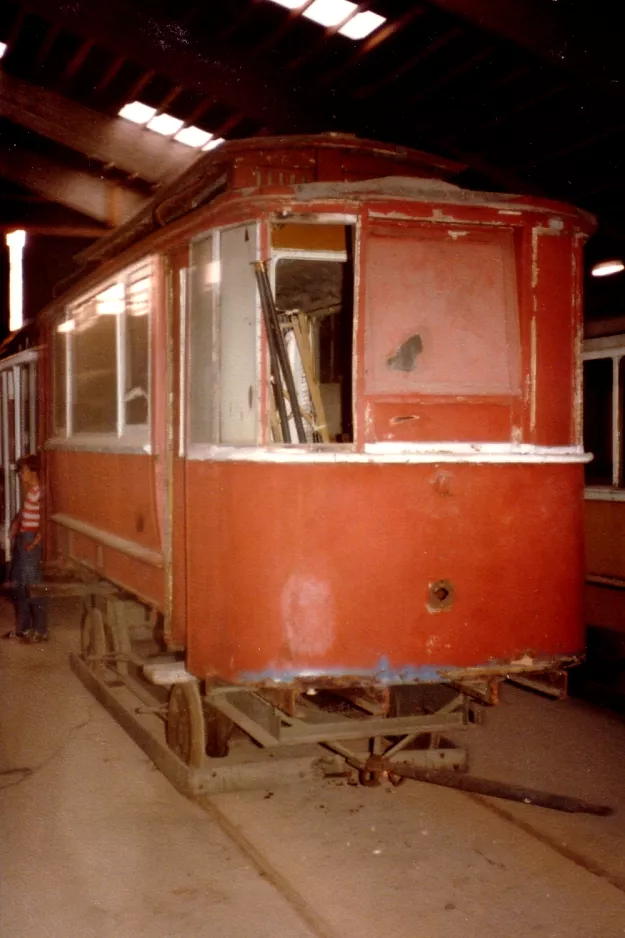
(528, 94)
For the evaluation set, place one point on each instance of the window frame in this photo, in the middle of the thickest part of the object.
(126, 437)
(610, 348)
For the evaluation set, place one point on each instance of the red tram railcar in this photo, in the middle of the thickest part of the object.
(418, 343)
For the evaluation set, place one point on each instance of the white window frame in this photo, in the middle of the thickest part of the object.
(610, 348)
(135, 438)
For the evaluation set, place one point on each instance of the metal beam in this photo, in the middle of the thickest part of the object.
(94, 197)
(108, 139)
(575, 43)
(190, 59)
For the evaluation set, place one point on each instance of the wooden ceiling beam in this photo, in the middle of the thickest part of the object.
(190, 59)
(108, 139)
(94, 197)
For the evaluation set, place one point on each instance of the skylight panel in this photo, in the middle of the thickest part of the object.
(193, 136)
(137, 112)
(329, 12)
(165, 124)
(362, 25)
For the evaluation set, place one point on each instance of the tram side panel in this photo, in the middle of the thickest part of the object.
(335, 570)
(105, 431)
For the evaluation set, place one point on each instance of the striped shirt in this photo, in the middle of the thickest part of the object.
(30, 516)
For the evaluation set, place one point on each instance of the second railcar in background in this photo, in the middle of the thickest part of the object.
(319, 410)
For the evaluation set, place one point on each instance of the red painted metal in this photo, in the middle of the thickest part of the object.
(327, 569)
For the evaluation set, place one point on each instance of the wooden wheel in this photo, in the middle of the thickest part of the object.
(186, 733)
(93, 640)
(120, 637)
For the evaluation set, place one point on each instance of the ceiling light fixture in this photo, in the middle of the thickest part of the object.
(137, 112)
(165, 124)
(193, 136)
(3, 48)
(607, 268)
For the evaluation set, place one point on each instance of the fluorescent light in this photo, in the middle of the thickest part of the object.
(68, 326)
(329, 12)
(137, 113)
(290, 4)
(193, 136)
(3, 48)
(362, 25)
(215, 142)
(15, 242)
(606, 268)
(165, 124)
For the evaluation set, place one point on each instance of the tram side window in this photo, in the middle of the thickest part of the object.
(238, 336)
(604, 391)
(103, 344)
(223, 338)
(202, 342)
(136, 399)
(95, 362)
(59, 378)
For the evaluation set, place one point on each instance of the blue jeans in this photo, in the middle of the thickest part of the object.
(26, 569)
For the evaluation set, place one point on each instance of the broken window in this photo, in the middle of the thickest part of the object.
(313, 277)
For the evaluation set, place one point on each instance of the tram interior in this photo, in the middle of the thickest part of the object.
(314, 276)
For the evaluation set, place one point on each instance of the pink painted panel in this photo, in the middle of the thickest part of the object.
(441, 311)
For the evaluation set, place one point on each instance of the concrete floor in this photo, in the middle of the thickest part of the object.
(95, 842)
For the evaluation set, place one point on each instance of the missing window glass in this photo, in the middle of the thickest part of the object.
(314, 297)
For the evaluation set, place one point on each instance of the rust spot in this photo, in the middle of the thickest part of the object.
(441, 596)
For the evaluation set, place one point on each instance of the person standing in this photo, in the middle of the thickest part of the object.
(27, 556)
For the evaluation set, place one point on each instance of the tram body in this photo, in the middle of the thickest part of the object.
(430, 526)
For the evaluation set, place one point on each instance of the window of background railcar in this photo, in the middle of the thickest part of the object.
(441, 311)
(313, 282)
(604, 418)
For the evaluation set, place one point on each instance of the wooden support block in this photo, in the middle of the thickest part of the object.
(166, 673)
